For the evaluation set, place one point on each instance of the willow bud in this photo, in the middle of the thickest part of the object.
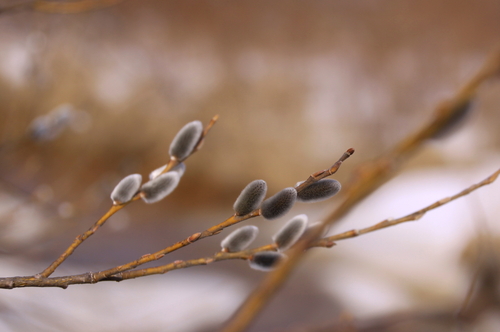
(290, 232)
(250, 198)
(265, 260)
(181, 168)
(185, 140)
(240, 239)
(319, 191)
(279, 204)
(157, 189)
(126, 189)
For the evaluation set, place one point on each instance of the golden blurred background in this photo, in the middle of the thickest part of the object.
(295, 83)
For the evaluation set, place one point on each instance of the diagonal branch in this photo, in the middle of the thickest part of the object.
(410, 217)
(366, 180)
(216, 229)
(89, 278)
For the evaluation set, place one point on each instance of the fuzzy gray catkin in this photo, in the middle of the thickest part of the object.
(250, 198)
(265, 260)
(319, 191)
(126, 189)
(279, 204)
(185, 140)
(181, 168)
(290, 232)
(49, 126)
(157, 189)
(240, 239)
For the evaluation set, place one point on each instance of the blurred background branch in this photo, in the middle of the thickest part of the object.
(296, 83)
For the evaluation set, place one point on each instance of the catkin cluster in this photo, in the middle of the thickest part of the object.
(251, 201)
(161, 182)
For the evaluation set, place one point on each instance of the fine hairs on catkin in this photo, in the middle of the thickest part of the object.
(290, 232)
(185, 140)
(319, 191)
(265, 260)
(250, 198)
(240, 239)
(160, 187)
(279, 204)
(126, 189)
(181, 169)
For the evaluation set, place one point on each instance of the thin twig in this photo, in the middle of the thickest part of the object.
(78, 240)
(366, 180)
(410, 217)
(93, 277)
(115, 208)
(214, 230)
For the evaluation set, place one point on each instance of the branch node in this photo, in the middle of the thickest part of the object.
(93, 278)
(330, 244)
(193, 237)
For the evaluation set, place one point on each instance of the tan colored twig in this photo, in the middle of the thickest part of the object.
(115, 208)
(410, 217)
(366, 180)
(216, 229)
(187, 241)
(78, 240)
(91, 277)
(234, 219)
(328, 242)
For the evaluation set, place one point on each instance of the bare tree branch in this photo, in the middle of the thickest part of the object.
(366, 180)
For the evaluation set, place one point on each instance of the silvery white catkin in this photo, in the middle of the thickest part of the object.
(126, 189)
(185, 140)
(156, 172)
(319, 191)
(279, 204)
(250, 198)
(157, 189)
(265, 260)
(181, 168)
(290, 232)
(240, 239)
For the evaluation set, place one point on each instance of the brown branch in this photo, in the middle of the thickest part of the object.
(78, 240)
(115, 208)
(92, 278)
(122, 274)
(214, 230)
(410, 217)
(187, 241)
(366, 180)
